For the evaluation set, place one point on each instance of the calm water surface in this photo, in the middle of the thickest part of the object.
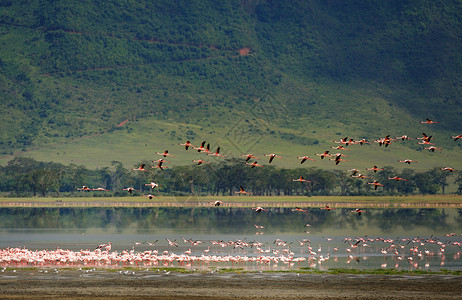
(388, 238)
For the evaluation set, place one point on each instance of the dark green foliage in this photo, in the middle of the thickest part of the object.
(75, 68)
(26, 176)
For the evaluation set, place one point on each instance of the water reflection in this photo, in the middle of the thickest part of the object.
(279, 239)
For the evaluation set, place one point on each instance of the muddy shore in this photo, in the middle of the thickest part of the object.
(77, 284)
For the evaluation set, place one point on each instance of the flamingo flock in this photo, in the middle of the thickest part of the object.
(410, 252)
(337, 158)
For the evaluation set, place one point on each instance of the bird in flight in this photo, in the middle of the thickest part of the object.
(301, 179)
(187, 145)
(141, 168)
(397, 178)
(304, 158)
(254, 164)
(217, 153)
(358, 211)
(152, 185)
(408, 161)
(129, 189)
(375, 183)
(249, 156)
(164, 154)
(272, 156)
(300, 209)
(259, 209)
(374, 168)
(325, 154)
(242, 191)
(428, 121)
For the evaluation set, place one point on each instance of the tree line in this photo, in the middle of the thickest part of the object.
(25, 177)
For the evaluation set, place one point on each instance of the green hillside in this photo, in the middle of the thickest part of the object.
(249, 76)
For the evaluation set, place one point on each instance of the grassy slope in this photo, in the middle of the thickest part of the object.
(319, 85)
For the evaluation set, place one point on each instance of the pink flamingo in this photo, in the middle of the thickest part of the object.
(428, 121)
(164, 154)
(141, 168)
(259, 209)
(187, 145)
(301, 179)
(375, 184)
(254, 164)
(304, 158)
(217, 153)
(249, 156)
(374, 168)
(272, 156)
(242, 191)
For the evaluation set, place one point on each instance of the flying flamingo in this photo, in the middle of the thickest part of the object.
(338, 158)
(164, 154)
(171, 243)
(242, 191)
(304, 158)
(340, 148)
(84, 188)
(358, 211)
(272, 156)
(106, 247)
(375, 169)
(448, 169)
(152, 185)
(259, 209)
(301, 179)
(100, 189)
(201, 148)
(249, 156)
(384, 141)
(375, 183)
(325, 154)
(428, 121)
(432, 148)
(187, 145)
(361, 176)
(217, 153)
(254, 164)
(207, 149)
(200, 161)
(403, 137)
(327, 207)
(407, 161)
(149, 196)
(160, 166)
(129, 189)
(141, 168)
(217, 203)
(397, 178)
(425, 139)
(362, 141)
(345, 141)
(299, 209)
(457, 137)
(355, 171)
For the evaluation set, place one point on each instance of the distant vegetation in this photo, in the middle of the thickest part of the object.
(27, 177)
(73, 69)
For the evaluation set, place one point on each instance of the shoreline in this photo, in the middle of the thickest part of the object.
(73, 284)
(433, 201)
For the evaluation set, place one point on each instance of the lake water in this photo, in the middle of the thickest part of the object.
(285, 239)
